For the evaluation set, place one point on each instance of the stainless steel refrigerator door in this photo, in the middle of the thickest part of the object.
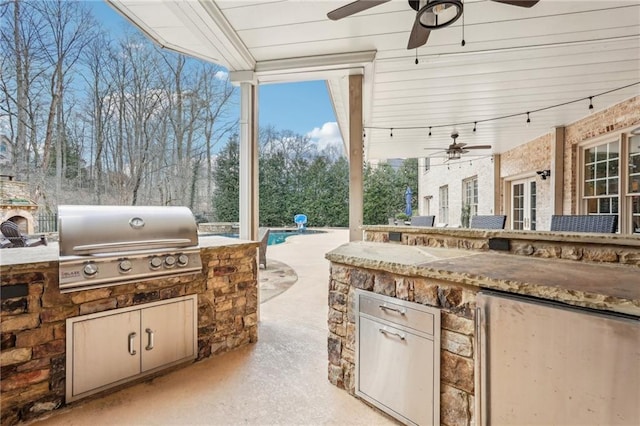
(549, 364)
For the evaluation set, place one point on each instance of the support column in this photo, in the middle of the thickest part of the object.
(557, 171)
(498, 206)
(356, 188)
(248, 161)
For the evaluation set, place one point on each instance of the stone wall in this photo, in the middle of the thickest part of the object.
(33, 314)
(457, 305)
(548, 245)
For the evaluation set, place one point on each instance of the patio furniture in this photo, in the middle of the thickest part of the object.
(488, 221)
(12, 233)
(423, 220)
(585, 223)
(263, 237)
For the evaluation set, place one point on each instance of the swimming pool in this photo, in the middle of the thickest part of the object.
(275, 236)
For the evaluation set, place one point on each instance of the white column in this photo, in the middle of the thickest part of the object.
(248, 161)
(356, 189)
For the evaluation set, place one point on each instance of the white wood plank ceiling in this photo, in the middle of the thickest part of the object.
(516, 60)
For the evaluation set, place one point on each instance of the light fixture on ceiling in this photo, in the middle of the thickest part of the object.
(475, 123)
(429, 131)
(454, 155)
(528, 119)
(433, 14)
(590, 102)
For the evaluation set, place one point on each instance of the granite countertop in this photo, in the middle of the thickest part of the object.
(50, 252)
(614, 288)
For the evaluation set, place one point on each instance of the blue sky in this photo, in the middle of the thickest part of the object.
(302, 107)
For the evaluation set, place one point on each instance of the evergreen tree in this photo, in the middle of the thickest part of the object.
(226, 177)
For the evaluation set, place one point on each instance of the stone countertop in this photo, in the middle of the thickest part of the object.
(614, 288)
(566, 237)
(50, 252)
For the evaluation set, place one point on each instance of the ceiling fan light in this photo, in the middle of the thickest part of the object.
(453, 155)
(434, 14)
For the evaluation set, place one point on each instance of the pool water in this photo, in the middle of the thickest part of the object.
(275, 237)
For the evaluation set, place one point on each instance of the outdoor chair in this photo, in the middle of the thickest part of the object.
(488, 222)
(263, 237)
(585, 223)
(12, 233)
(423, 220)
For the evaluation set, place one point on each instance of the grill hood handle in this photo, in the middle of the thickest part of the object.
(132, 245)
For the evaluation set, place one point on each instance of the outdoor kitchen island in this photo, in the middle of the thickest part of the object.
(447, 269)
(34, 313)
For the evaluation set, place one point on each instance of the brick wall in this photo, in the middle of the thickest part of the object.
(452, 174)
(32, 357)
(457, 306)
(536, 155)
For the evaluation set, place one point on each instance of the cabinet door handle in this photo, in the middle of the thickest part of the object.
(388, 308)
(394, 333)
(149, 339)
(132, 337)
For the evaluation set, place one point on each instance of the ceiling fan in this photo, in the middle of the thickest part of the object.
(430, 14)
(455, 150)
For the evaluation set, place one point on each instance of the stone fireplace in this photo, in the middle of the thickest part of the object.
(15, 204)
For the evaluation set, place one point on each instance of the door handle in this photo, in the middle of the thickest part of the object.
(132, 337)
(393, 333)
(149, 339)
(387, 308)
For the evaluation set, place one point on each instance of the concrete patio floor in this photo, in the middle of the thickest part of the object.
(281, 380)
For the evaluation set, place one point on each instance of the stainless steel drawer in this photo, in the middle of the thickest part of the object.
(396, 312)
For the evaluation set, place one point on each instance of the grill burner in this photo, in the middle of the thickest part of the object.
(103, 246)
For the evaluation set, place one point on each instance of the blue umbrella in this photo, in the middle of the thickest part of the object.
(407, 198)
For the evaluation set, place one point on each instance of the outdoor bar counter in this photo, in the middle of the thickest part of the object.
(447, 268)
(34, 312)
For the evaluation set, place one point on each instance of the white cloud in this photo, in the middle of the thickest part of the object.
(221, 75)
(327, 135)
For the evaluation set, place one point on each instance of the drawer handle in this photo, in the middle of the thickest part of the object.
(402, 336)
(150, 339)
(387, 308)
(132, 337)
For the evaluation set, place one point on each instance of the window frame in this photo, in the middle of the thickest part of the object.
(443, 209)
(471, 183)
(624, 196)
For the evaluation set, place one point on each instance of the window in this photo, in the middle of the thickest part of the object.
(634, 183)
(601, 178)
(444, 204)
(470, 195)
(427, 165)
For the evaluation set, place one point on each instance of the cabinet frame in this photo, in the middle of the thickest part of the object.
(140, 344)
(408, 326)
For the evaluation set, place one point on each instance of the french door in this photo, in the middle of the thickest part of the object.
(523, 204)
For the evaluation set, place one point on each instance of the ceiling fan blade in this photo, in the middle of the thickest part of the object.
(460, 144)
(478, 147)
(521, 3)
(419, 35)
(352, 8)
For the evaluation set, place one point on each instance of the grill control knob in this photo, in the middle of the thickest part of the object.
(90, 269)
(170, 261)
(125, 265)
(183, 260)
(155, 262)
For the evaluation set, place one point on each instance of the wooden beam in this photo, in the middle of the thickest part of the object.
(356, 145)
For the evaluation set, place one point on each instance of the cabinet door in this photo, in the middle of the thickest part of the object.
(168, 334)
(105, 350)
(396, 370)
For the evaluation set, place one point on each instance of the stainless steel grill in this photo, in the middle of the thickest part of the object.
(109, 245)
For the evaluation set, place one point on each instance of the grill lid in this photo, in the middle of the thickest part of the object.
(111, 229)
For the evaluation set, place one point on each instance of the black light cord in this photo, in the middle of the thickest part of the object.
(502, 117)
